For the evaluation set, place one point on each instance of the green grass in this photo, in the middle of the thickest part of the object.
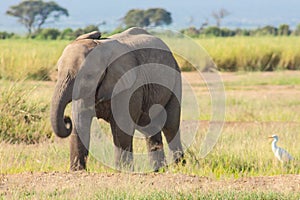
(125, 195)
(252, 114)
(199, 195)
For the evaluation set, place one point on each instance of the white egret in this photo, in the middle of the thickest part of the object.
(281, 154)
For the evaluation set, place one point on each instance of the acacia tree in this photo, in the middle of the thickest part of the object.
(158, 16)
(136, 17)
(34, 13)
(144, 18)
(284, 29)
(219, 15)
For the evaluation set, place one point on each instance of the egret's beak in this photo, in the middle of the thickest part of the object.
(270, 137)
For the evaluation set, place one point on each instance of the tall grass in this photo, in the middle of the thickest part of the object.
(32, 59)
(23, 119)
(36, 59)
(253, 53)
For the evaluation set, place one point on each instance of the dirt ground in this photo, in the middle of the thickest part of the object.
(43, 182)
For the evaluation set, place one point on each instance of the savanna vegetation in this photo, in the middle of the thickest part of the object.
(259, 103)
(29, 59)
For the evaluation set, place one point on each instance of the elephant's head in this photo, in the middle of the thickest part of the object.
(68, 65)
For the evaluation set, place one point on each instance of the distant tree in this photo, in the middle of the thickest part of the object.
(90, 28)
(48, 34)
(297, 30)
(203, 25)
(220, 15)
(67, 34)
(242, 32)
(101, 23)
(78, 32)
(225, 32)
(284, 29)
(212, 31)
(158, 16)
(191, 31)
(119, 29)
(6, 35)
(190, 20)
(136, 17)
(84, 30)
(144, 18)
(266, 30)
(34, 13)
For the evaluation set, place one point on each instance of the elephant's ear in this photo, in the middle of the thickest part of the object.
(92, 35)
(120, 75)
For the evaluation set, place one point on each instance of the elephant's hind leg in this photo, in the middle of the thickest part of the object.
(123, 147)
(171, 129)
(154, 142)
(173, 139)
(78, 152)
(156, 151)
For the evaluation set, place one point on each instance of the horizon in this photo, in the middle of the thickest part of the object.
(243, 14)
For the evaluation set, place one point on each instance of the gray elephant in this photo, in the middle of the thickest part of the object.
(132, 81)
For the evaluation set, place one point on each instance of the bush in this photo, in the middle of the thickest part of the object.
(6, 35)
(78, 32)
(48, 34)
(119, 29)
(212, 31)
(192, 32)
(284, 29)
(242, 32)
(297, 30)
(90, 28)
(225, 32)
(21, 120)
(85, 30)
(267, 30)
(67, 34)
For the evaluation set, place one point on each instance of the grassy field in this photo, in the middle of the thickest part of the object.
(258, 104)
(36, 59)
(29, 59)
(253, 53)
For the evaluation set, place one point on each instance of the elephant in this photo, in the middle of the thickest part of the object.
(145, 69)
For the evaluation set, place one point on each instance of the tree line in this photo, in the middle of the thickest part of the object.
(53, 33)
(34, 14)
(281, 30)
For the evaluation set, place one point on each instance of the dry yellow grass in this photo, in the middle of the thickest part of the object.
(36, 59)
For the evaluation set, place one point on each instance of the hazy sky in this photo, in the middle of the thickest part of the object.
(244, 13)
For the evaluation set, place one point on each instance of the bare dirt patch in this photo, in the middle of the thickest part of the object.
(143, 183)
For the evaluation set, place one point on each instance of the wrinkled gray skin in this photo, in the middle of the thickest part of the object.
(69, 65)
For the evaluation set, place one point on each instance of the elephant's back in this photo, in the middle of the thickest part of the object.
(152, 52)
(138, 38)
